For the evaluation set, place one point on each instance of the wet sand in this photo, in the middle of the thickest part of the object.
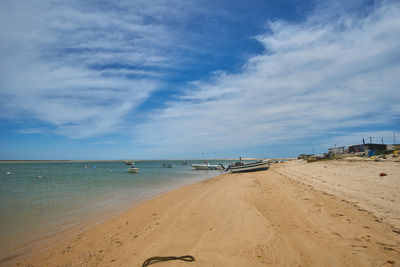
(282, 216)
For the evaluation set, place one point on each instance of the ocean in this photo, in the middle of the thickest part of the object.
(42, 199)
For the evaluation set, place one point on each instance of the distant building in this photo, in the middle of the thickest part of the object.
(376, 147)
(356, 148)
(336, 150)
(303, 156)
(366, 147)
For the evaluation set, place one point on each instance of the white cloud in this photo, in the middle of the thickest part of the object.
(81, 66)
(32, 131)
(334, 72)
(109, 142)
(314, 78)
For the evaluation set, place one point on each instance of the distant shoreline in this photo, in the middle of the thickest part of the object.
(44, 161)
(123, 160)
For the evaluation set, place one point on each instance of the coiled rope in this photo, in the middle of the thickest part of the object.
(168, 258)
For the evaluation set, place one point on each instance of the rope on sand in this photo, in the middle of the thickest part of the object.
(168, 258)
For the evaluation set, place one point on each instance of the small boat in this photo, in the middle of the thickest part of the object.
(184, 162)
(207, 166)
(248, 167)
(133, 170)
(168, 165)
(129, 162)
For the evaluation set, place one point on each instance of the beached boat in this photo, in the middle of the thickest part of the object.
(248, 167)
(133, 170)
(206, 166)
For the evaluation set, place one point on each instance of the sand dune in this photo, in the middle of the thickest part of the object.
(293, 214)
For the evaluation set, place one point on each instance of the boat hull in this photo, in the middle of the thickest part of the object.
(167, 166)
(207, 167)
(133, 170)
(251, 167)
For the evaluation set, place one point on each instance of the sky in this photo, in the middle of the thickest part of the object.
(137, 79)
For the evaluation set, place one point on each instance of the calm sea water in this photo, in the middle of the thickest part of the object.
(40, 199)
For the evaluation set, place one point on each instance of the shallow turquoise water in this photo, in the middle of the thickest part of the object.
(67, 193)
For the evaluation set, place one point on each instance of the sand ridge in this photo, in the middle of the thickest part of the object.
(255, 219)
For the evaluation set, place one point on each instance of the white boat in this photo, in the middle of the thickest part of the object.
(133, 170)
(129, 162)
(249, 167)
(167, 165)
(206, 166)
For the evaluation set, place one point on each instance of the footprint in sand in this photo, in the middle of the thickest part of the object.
(366, 238)
(358, 246)
(389, 247)
(396, 230)
(337, 234)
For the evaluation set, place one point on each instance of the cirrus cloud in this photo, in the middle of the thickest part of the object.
(82, 67)
(322, 76)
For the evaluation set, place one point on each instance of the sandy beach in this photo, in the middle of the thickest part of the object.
(328, 213)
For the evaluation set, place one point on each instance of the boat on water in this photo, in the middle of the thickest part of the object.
(167, 165)
(127, 162)
(207, 166)
(133, 169)
(248, 167)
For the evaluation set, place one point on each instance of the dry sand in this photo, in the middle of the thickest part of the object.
(355, 179)
(316, 214)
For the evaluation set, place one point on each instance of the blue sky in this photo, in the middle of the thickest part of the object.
(195, 79)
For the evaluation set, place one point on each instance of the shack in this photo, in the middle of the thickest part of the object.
(366, 147)
(336, 150)
(356, 148)
(304, 156)
(376, 147)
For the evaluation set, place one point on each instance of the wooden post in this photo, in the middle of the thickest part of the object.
(365, 152)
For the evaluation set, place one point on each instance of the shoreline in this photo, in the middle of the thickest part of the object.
(44, 239)
(47, 241)
(264, 218)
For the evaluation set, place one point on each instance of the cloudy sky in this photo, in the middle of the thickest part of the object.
(196, 79)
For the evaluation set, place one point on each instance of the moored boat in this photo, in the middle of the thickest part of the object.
(133, 169)
(129, 162)
(167, 165)
(249, 167)
(207, 166)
